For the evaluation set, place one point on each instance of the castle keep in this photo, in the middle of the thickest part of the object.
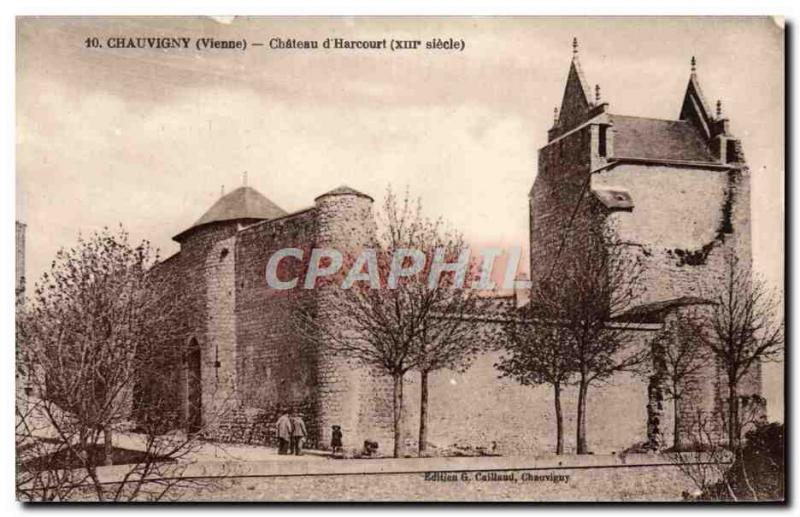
(678, 190)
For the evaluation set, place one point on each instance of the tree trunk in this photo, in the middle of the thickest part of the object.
(677, 443)
(108, 446)
(734, 437)
(581, 424)
(559, 419)
(423, 411)
(398, 413)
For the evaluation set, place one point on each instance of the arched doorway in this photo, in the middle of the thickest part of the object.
(194, 388)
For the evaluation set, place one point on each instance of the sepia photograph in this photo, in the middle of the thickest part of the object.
(399, 259)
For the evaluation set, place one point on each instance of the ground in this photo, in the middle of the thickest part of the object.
(245, 473)
(626, 484)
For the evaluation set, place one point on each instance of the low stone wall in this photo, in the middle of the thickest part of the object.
(254, 426)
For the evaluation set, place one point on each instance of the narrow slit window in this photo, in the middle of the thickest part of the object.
(601, 148)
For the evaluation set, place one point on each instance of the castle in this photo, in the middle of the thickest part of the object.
(678, 189)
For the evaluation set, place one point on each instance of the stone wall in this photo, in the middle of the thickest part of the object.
(219, 384)
(275, 368)
(689, 222)
(559, 201)
(168, 385)
(202, 277)
(208, 282)
(682, 222)
(478, 409)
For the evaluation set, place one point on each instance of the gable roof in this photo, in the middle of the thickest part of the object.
(242, 203)
(638, 137)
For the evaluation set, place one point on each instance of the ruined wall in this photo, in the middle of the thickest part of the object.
(685, 225)
(697, 391)
(682, 219)
(688, 223)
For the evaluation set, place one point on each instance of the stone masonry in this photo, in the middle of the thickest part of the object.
(252, 364)
(676, 191)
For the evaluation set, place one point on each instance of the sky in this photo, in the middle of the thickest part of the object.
(148, 138)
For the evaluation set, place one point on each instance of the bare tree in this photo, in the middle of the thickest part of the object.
(450, 333)
(374, 328)
(679, 356)
(707, 460)
(593, 284)
(539, 352)
(93, 333)
(405, 323)
(719, 473)
(745, 328)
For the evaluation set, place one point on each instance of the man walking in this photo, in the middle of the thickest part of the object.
(284, 428)
(298, 433)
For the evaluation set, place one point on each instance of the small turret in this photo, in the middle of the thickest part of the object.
(345, 218)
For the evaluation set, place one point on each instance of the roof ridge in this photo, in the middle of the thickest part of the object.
(649, 118)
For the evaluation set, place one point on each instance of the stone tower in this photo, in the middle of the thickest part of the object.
(207, 266)
(346, 392)
(678, 190)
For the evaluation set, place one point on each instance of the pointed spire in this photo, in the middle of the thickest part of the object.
(719, 109)
(597, 94)
(221, 190)
(244, 179)
(695, 108)
(555, 115)
(577, 98)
